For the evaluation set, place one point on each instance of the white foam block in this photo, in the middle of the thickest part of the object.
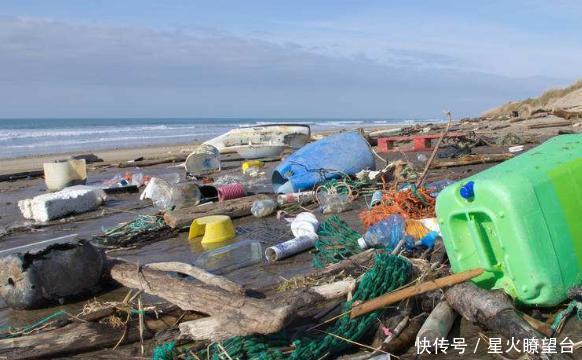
(71, 200)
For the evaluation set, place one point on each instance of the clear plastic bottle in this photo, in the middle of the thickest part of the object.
(334, 203)
(387, 232)
(262, 208)
(185, 194)
(436, 187)
(166, 196)
(137, 179)
(114, 181)
(231, 257)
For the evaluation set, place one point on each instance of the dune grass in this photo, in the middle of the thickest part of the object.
(530, 104)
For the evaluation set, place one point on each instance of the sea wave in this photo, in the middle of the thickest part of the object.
(123, 140)
(13, 134)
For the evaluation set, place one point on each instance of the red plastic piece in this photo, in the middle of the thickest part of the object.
(419, 142)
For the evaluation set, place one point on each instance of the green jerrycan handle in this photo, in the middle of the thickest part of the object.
(483, 246)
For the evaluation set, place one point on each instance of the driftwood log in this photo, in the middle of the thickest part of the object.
(144, 163)
(21, 175)
(231, 311)
(200, 274)
(234, 208)
(495, 311)
(471, 160)
(70, 339)
(568, 114)
(78, 337)
(302, 301)
(244, 314)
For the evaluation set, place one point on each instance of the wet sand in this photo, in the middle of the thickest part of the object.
(28, 163)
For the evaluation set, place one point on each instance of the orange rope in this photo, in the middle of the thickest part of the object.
(404, 203)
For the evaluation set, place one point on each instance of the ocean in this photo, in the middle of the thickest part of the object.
(26, 137)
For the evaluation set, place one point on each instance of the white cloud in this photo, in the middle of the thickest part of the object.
(50, 68)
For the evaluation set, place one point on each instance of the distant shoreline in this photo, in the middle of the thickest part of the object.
(31, 138)
(122, 154)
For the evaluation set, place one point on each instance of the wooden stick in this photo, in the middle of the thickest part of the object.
(538, 325)
(550, 124)
(144, 163)
(434, 151)
(21, 175)
(199, 274)
(141, 325)
(471, 160)
(413, 290)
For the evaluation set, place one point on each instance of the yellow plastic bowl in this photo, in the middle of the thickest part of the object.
(250, 164)
(215, 228)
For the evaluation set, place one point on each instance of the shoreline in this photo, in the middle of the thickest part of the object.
(116, 155)
(151, 152)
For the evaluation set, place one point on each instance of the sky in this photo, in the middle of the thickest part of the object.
(281, 59)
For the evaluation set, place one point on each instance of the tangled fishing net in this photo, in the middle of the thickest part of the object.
(388, 273)
(337, 241)
(126, 234)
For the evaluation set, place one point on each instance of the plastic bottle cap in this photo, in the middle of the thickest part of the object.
(467, 191)
(362, 243)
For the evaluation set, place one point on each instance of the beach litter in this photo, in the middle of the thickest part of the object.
(348, 262)
(76, 199)
(205, 159)
(262, 208)
(304, 227)
(215, 228)
(536, 231)
(292, 136)
(331, 157)
(168, 196)
(52, 275)
(61, 174)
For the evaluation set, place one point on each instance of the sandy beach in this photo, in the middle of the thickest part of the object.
(29, 163)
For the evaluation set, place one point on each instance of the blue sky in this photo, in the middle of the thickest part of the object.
(337, 59)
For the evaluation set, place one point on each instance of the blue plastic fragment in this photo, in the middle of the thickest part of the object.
(332, 157)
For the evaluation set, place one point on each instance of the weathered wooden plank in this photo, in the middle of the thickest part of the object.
(471, 160)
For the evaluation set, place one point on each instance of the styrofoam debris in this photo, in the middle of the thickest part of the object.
(71, 200)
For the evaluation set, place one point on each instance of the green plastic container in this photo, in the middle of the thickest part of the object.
(522, 223)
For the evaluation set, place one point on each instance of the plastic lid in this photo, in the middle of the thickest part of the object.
(362, 243)
(467, 191)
